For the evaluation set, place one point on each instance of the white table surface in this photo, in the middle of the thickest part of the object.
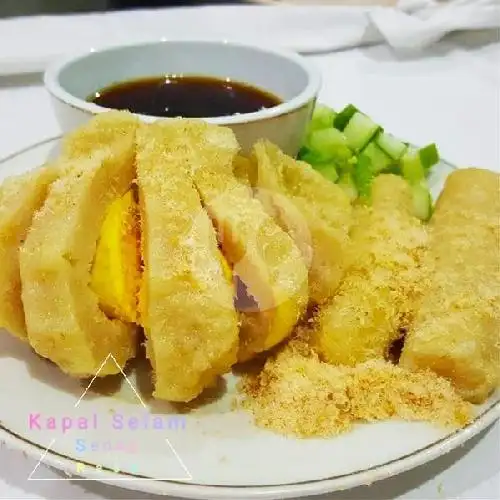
(449, 95)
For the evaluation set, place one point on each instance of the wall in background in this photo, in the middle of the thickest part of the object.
(25, 7)
(10, 8)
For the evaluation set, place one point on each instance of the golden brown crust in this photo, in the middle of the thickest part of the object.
(377, 294)
(244, 170)
(63, 318)
(20, 198)
(186, 301)
(313, 210)
(98, 133)
(457, 328)
(262, 255)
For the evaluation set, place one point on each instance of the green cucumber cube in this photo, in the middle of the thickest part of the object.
(429, 156)
(422, 202)
(346, 182)
(360, 131)
(394, 169)
(327, 170)
(363, 176)
(312, 158)
(342, 118)
(348, 164)
(411, 167)
(392, 146)
(380, 160)
(329, 143)
(304, 150)
(323, 117)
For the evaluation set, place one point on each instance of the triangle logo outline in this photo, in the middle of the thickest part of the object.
(48, 449)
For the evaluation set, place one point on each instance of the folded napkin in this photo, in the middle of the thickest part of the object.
(416, 24)
(28, 44)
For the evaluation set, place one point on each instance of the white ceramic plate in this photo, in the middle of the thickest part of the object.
(212, 452)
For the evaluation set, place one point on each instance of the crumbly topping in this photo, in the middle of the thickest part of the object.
(377, 295)
(297, 394)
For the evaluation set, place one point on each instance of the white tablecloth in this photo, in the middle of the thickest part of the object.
(449, 95)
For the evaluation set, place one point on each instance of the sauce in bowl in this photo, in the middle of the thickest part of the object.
(185, 96)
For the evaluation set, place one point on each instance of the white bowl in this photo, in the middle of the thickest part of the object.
(287, 75)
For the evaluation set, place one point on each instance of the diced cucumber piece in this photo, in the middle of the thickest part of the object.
(422, 202)
(345, 165)
(307, 138)
(380, 160)
(329, 143)
(363, 176)
(323, 117)
(416, 163)
(312, 158)
(392, 146)
(394, 169)
(429, 156)
(328, 170)
(411, 167)
(360, 131)
(346, 182)
(343, 118)
(304, 150)
(348, 165)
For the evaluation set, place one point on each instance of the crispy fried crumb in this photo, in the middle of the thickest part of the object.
(456, 331)
(377, 295)
(297, 394)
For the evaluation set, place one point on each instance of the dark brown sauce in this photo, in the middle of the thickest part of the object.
(186, 96)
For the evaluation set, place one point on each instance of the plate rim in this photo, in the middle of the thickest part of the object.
(189, 489)
(186, 489)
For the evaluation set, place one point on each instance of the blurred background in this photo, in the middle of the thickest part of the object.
(10, 8)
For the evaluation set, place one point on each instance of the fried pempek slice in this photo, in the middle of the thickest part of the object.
(186, 298)
(64, 321)
(312, 209)
(456, 332)
(377, 294)
(20, 198)
(100, 132)
(263, 257)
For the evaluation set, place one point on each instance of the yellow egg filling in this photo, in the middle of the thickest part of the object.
(116, 270)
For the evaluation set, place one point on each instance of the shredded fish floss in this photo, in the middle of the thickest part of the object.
(297, 394)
